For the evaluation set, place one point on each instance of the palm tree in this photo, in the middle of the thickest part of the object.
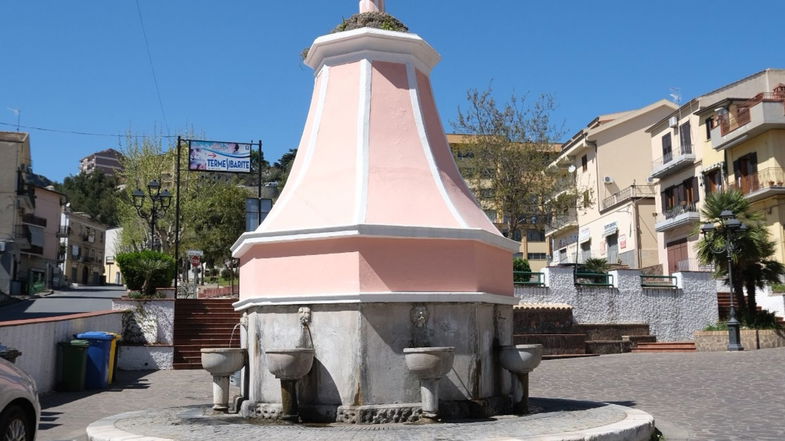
(752, 263)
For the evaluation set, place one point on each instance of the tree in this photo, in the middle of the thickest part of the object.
(507, 155)
(752, 264)
(212, 205)
(94, 194)
(283, 167)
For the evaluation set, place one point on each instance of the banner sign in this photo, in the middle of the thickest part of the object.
(229, 157)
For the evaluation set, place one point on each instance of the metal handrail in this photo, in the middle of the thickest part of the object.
(633, 191)
(656, 283)
(525, 278)
(608, 279)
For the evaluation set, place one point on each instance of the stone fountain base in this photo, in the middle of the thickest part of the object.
(359, 373)
(553, 420)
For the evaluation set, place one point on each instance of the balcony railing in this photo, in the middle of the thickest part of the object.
(633, 191)
(673, 161)
(772, 178)
(594, 279)
(731, 121)
(33, 220)
(679, 215)
(63, 231)
(559, 222)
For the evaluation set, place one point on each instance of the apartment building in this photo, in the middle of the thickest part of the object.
(39, 264)
(17, 200)
(614, 215)
(702, 146)
(533, 246)
(106, 161)
(83, 240)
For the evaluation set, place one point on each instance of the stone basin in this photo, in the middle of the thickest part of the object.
(520, 359)
(429, 362)
(223, 362)
(289, 364)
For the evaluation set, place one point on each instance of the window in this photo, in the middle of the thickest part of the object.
(584, 163)
(486, 193)
(712, 181)
(585, 251)
(686, 138)
(517, 235)
(491, 215)
(535, 235)
(682, 196)
(537, 256)
(667, 148)
(586, 199)
(709, 125)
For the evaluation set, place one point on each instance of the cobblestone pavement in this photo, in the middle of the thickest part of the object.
(694, 396)
(715, 396)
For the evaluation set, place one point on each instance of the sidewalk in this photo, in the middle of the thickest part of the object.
(717, 396)
(66, 415)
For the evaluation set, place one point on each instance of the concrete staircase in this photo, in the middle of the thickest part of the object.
(615, 338)
(723, 306)
(202, 323)
(550, 325)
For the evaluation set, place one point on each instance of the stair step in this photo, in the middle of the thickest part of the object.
(608, 346)
(554, 344)
(561, 356)
(666, 347)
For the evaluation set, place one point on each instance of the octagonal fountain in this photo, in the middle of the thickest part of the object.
(376, 290)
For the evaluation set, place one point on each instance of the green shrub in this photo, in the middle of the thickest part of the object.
(147, 270)
(518, 266)
(778, 287)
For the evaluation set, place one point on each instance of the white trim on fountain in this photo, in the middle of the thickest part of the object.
(377, 297)
(375, 44)
(245, 241)
(363, 142)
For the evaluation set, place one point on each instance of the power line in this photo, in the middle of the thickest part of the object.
(152, 67)
(78, 132)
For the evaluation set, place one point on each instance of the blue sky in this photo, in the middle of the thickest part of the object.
(231, 69)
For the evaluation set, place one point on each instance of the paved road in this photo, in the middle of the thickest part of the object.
(84, 299)
(716, 396)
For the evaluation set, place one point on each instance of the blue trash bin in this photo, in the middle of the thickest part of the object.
(97, 369)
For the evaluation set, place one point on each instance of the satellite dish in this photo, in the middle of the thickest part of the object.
(572, 168)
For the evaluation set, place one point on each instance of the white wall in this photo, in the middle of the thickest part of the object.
(672, 314)
(37, 340)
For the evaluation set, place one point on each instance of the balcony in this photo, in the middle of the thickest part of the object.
(626, 194)
(762, 113)
(763, 184)
(33, 220)
(562, 222)
(63, 231)
(681, 215)
(673, 161)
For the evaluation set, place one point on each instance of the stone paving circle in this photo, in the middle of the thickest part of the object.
(554, 420)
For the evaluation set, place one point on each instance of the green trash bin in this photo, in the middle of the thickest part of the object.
(74, 364)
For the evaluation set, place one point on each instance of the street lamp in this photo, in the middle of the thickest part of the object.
(732, 228)
(161, 201)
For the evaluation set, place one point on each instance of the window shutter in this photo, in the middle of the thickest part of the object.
(695, 189)
(736, 172)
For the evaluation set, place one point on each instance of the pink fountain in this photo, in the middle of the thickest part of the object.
(376, 246)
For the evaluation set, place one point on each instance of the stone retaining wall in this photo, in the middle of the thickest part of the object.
(751, 339)
(673, 314)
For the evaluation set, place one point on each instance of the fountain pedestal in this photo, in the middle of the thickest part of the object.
(221, 363)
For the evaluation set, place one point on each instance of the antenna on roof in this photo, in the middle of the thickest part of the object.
(676, 95)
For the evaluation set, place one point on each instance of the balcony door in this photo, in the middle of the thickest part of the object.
(745, 170)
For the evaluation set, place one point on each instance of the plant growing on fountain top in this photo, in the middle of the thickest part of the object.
(144, 271)
(377, 20)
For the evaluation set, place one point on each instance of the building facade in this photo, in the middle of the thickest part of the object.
(39, 264)
(708, 143)
(17, 201)
(112, 243)
(84, 244)
(108, 162)
(614, 214)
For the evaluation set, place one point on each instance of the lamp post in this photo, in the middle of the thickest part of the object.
(160, 202)
(731, 228)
